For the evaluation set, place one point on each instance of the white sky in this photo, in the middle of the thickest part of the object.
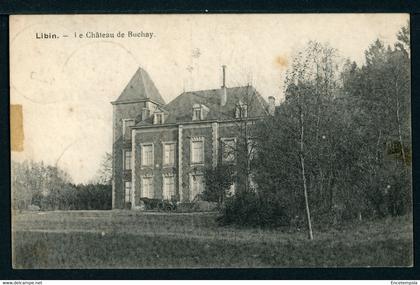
(66, 85)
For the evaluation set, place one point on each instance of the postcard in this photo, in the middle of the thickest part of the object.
(211, 141)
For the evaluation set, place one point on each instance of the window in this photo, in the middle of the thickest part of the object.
(127, 188)
(168, 187)
(169, 153)
(147, 187)
(126, 124)
(127, 159)
(197, 185)
(158, 118)
(244, 111)
(197, 114)
(197, 151)
(241, 110)
(228, 149)
(147, 155)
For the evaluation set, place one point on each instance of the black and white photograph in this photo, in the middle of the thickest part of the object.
(211, 141)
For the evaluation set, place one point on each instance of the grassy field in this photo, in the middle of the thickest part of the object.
(125, 239)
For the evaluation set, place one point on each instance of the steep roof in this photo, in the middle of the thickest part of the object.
(140, 87)
(180, 109)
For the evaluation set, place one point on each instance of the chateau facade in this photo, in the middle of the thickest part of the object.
(161, 150)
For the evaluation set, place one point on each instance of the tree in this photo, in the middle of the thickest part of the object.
(240, 154)
(311, 85)
(218, 182)
(34, 182)
(21, 192)
(104, 174)
(378, 96)
(50, 188)
(403, 38)
(339, 147)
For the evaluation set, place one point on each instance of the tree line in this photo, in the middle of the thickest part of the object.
(45, 187)
(339, 146)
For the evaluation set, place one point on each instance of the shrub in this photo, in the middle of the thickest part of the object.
(75, 197)
(250, 209)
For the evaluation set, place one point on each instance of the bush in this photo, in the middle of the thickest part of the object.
(75, 197)
(249, 209)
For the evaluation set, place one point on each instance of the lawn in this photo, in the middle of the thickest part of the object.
(127, 239)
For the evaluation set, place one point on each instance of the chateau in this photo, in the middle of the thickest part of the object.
(161, 150)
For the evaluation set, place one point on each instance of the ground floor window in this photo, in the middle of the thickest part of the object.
(168, 187)
(147, 187)
(127, 191)
(196, 185)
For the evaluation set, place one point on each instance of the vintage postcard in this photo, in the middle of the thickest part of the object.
(211, 141)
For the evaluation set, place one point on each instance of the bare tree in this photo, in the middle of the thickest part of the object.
(311, 84)
(104, 174)
(243, 150)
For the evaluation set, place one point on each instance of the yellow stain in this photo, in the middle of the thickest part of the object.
(16, 128)
(282, 61)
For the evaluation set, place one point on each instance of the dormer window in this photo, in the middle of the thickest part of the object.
(241, 110)
(197, 112)
(158, 118)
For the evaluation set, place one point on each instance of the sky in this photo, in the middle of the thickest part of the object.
(65, 85)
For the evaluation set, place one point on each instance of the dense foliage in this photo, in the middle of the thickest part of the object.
(341, 141)
(218, 181)
(38, 186)
(250, 209)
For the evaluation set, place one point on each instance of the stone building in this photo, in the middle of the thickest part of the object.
(161, 150)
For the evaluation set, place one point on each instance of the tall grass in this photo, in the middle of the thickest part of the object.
(134, 240)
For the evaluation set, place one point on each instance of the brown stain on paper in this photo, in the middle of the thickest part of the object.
(282, 61)
(16, 128)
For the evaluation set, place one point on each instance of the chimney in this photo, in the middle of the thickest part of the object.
(271, 105)
(223, 96)
(224, 76)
